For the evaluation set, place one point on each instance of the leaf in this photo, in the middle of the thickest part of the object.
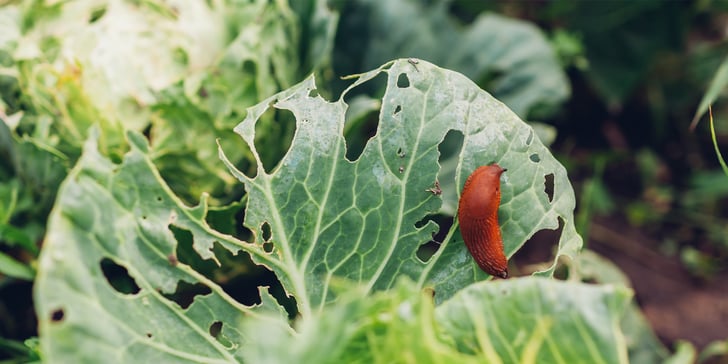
(391, 326)
(684, 354)
(364, 220)
(533, 320)
(717, 86)
(121, 216)
(642, 344)
(524, 320)
(509, 58)
(12, 268)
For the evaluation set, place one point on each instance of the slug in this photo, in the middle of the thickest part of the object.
(478, 216)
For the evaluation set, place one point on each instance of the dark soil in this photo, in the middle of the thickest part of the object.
(678, 305)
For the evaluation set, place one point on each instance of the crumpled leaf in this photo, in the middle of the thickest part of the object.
(524, 320)
(532, 320)
(121, 215)
(364, 220)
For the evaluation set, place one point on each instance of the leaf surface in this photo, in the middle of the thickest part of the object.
(121, 216)
(364, 220)
(523, 320)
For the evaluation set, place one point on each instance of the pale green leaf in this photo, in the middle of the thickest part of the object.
(13, 268)
(122, 214)
(684, 354)
(364, 220)
(525, 320)
(716, 88)
(534, 320)
(642, 344)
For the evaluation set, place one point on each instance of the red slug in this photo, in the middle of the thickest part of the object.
(478, 216)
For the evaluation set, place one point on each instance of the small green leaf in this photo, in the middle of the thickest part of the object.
(684, 354)
(717, 86)
(12, 268)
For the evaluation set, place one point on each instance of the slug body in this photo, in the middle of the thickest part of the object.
(478, 216)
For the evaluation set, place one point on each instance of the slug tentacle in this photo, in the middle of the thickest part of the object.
(478, 217)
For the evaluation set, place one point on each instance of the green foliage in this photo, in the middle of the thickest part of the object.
(124, 214)
(23, 352)
(183, 74)
(109, 116)
(330, 219)
(510, 59)
(528, 320)
(333, 217)
(716, 88)
(625, 39)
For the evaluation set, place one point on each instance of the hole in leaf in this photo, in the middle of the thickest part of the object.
(278, 125)
(118, 277)
(397, 110)
(186, 254)
(229, 262)
(313, 93)
(237, 275)
(268, 247)
(159, 198)
(428, 249)
(537, 251)
(529, 140)
(216, 332)
(57, 315)
(450, 147)
(362, 115)
(186, 293)
(266, 232)
(215, 329)
(149, 335)
(534, 158)
(549, 186)
(401, 153)
(403, 80)
(244, 288)
(226, 219)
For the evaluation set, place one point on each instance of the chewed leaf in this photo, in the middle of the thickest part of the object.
(364, 220)
(109, 268)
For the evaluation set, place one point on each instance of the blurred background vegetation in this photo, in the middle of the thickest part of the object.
(612, 85)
